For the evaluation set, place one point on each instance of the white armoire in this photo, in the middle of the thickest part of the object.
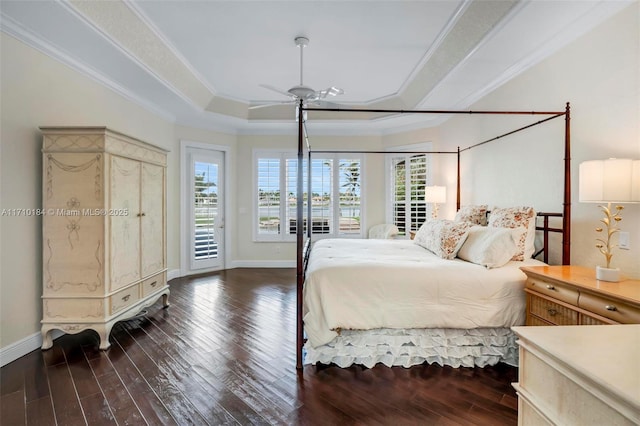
(104, 229)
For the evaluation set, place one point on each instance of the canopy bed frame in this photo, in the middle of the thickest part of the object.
(304, 244)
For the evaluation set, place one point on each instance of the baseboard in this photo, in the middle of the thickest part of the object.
(173, 273)
(22, 347)
(263, 264)
(177, 273)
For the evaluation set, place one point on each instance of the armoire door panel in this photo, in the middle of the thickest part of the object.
(73, 255)
(125, 228)
(153, 216)
(73, 181)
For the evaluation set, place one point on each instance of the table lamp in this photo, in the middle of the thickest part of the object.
(617, 181)
(435, 195)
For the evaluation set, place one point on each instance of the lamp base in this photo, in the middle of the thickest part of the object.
(608, 274)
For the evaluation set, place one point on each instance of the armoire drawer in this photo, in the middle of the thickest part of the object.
(154, 283)
(124, 298)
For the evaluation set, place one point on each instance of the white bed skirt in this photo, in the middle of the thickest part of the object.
(406, 347)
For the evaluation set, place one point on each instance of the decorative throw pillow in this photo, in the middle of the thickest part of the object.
(474, 214)
(517, 217)
(490, 247)
(442, 237)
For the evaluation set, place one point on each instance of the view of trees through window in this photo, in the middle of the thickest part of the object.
(205, 209)
(335, 195)
(409, 205)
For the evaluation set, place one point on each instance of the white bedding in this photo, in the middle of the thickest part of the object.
(371, 284)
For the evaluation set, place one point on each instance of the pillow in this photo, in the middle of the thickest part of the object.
(442, 237)
(474, 214)
(517, 217)
(490, 247)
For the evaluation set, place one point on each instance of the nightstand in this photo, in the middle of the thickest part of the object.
(571, 295)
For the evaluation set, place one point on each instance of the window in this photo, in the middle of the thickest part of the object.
(335, 195)
(409, 176)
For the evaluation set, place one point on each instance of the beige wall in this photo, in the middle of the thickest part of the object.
(38, 91)
(599, 75)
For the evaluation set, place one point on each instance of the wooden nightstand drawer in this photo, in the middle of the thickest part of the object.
(552, 312)
(568, 295)
(612, 309)
(586, 319)
(558, 291)
(533, 320)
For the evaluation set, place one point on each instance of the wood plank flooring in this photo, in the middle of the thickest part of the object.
(224, 353)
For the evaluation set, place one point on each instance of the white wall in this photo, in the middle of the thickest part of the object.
(38, 91)
(599, 74)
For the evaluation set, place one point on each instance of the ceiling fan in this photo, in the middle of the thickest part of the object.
(301, 92)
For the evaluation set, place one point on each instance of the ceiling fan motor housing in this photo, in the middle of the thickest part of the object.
(301, 41)
(302, 92)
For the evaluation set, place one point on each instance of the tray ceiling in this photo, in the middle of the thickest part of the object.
(202, 63)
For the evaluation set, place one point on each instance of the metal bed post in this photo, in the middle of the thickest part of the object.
(458, 183)
(299, 240)
(566, 212)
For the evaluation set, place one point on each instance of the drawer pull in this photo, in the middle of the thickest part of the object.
(125, 298)
(611, 308)
(153, 284)
(550, 287)
(552, 312)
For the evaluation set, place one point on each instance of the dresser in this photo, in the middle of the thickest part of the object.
(103, 229)
(571, 295)
(587, 375)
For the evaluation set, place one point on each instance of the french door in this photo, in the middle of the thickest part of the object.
(206, 209)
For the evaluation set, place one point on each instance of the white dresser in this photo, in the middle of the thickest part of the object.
(579, 375)
(104, 229)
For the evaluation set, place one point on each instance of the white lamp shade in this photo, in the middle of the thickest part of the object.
(616, 180)
(435, 194)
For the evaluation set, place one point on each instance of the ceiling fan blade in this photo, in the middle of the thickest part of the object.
(275, 89)
(270, 104)
(331, 91)
(326, 104)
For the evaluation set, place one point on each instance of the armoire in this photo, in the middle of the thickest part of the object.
(103, 229)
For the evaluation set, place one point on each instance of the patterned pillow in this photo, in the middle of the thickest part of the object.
(442, 237)
(517, 217)
(474, 214)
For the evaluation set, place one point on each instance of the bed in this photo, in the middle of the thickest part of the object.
(450, 296)
(404, 302)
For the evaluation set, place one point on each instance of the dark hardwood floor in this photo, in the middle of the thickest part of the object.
(223, 353)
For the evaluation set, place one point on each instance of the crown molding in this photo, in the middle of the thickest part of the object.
(15, 30)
